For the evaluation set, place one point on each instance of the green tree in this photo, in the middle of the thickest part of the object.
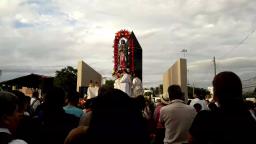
(201, 92)
(153, 90)
(161, 88)
(109, 83)
(66, 78)
(249, 95)
(157, 91)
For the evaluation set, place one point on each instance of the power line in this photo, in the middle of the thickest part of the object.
(240, 43)
(249, 79)
(249, 86)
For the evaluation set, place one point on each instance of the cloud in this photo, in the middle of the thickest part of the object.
(59, 33)
(202, 72)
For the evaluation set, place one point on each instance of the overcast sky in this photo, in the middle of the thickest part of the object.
(42, 36)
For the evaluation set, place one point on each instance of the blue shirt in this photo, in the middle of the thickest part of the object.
(69, 109)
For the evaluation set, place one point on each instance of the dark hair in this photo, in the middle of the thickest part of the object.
(116, 120)
(73, 96)
(90, 103)
(198, 107)
(55, 97)
(212, 106)
(35, 94)
(8, 103)
(175, 92)
(21, 100)
(140, 102)
(227, 87)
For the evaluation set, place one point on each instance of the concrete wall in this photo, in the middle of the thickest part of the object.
(85, 73)
(176, 74)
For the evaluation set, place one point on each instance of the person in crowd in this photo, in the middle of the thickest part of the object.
(89, 106)
(212, 106)
(126, 83)
(160, 130)
(27, 127)
(115, 120)
(96, 88)
(231, 122)
(22, 100)
(251, 108)
(35, 101)
(142, 104)
(9, 118)
(117, 81)
(197, 107)
(55, 123)
(92, 90)
(200, 99)
(27, 106)
(137, 88)
(71, 107)
(90, 93)
(177, 117)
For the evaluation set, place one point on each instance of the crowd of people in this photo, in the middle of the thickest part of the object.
(114, 117)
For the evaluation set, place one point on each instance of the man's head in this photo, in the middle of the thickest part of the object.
(21, 101)
(55, 98)
(73, 98)
(35, 94)
(175, 92)
(9, 116)
(227, 88)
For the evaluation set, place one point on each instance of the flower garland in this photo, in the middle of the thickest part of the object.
(123, 34)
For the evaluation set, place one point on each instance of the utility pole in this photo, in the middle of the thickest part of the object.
(193, 89)
(184, 52)
(214, 65)
(0, 75)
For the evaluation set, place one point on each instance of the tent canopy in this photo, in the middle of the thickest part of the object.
(31, 81)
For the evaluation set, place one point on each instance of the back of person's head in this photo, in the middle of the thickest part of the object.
(212, 106)
(73, 97)
(140, 102)
(8, 108)
(54, 98)
(189, 101)
(21, 99)
(175, 92)
(90, 103)
(104, 89)
(227, 88)
(116, 120)
(198, 107)
(35, 94)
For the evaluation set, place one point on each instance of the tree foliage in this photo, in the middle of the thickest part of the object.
(109, 83)
(161, 88)
(66, 78)
(197, 91)
(250, 94)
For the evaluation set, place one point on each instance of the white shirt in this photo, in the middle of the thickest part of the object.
(92, 92)
(125, 84)
(177, 118)
(137, 88)
(5, 130)
(117, 83)
(35, 103)
(16, 141)
(201, 102)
